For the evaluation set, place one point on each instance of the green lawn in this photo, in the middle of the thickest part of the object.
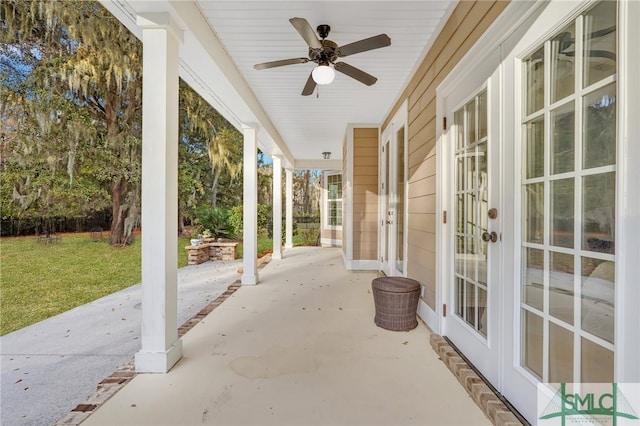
(38, 281)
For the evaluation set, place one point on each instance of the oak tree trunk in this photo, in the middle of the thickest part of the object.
(214, 188)
(123, 205)
(118, 209)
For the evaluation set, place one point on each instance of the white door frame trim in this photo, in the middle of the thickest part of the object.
(399, 120)
(627, 368)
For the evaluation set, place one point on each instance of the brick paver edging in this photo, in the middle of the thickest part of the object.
(492, 406)
(123, 375)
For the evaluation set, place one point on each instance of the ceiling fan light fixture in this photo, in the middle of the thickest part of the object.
(323, 74)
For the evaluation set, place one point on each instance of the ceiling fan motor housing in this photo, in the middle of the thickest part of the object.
(327, 54)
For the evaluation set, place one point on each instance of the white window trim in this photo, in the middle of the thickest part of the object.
(325, 200)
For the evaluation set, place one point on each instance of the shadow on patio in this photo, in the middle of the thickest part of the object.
(299, 348)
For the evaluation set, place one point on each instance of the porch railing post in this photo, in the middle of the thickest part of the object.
(289, 208)
(250, 206)
(161, 348)
(277, 207)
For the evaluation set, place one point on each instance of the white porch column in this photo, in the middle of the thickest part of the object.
(289, 208)
(250, 207)
(161, 348)
(277, 207)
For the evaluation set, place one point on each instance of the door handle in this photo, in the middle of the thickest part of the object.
(388, 222)
(486, 237)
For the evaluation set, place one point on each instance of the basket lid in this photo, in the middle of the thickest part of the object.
(395, 284)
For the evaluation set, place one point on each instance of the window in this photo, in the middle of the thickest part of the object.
(334, 200)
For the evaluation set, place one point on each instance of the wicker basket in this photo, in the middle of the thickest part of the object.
(396, 301)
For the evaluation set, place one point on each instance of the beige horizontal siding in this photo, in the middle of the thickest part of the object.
(365, 193)
(333, 234)
(466, 24)
(365, 251)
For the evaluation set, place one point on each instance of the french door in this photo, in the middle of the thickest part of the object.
(565, 255)
(393, 186)
(540, 301)
(473, 144)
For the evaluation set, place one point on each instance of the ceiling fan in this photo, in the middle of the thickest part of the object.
(325, 53)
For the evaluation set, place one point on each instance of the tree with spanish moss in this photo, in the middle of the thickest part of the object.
(82, 54)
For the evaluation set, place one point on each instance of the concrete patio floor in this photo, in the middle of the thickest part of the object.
(299, 348)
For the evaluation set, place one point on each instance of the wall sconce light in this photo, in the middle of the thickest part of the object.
(326, 155)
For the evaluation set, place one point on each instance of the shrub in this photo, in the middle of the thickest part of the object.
(265, 221)
(216, 220)
(235, 220)
(264, 218)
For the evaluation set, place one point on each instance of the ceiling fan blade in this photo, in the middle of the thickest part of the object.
(280, 63)
(306, 31)
(356, 73)
(375, 42)
(309, 87)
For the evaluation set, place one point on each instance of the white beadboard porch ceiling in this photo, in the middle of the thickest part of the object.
(259, 31)
(245, 33)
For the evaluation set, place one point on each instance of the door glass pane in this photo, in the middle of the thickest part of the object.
(471, 213)
(400, 201)
(532, 342)
(460, 169)
(470, 125)
(598, 212)
(533, 278)
(560, 354)
(482, 311)
(470, 258)
(534, 70)
(534, 133)
(563, 56)
(562, 200)
(470, 171)
(471, 304)
(561, 286)
(472, 216)
(458, 119)
(599, 134)
(534, 213)
(482, 264)
(460, 250)
(596, 363)
(562, 139)
(459, 297)
(598, 301)
(482, 115)
(600, 42)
